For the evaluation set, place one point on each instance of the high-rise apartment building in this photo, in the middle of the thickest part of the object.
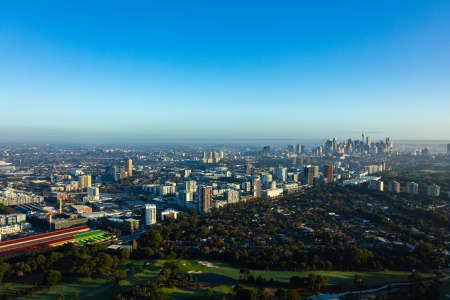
(190, 186)
(129, 167)
(412, 188)
(328, 171)
(394, 187)
(232, 196)
(282, 174)
(376, 185)
(93, 194)
(433, 190)
(150, 214)
(257, 187)
(205, 198)
(85, 181)
(308, 173)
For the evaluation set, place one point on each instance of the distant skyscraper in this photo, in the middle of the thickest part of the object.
(290, 148)
(150, 214)
(299, 148)
(205, 199)
(389, 144)
(249, 168)
(368, 141)
(129, 167)
(448, 149)
(363, 138)
(309, 175)
(266, 150)
(328, 172)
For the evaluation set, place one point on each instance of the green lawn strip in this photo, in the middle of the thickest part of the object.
(334, 277)
(81, 235)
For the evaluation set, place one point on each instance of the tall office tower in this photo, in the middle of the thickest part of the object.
(266, 150)
(328, 171)
(210, 158)
(295, 177)
(85, 181)
(216, 157)
(282, 174)
(335, 143)
(190, 186)
(368, 141)
(394, 187)
(257, 188)
(205, 199)
(205, 158)
(299, 148)
(187, 173)
(389, 143)
(150, 214)
(129, 167)
(412, 188)
(232, 196)
(290, 148)
(249, 168)
(448, 149)
(433, 190)
(309, 175)
(363, 138)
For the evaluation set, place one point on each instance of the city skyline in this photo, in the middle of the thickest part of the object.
(117, 73)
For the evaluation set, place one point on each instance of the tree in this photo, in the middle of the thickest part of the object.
(52, 277)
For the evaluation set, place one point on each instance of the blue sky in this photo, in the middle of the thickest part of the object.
(143, 70)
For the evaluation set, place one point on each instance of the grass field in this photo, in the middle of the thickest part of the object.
(221, 277)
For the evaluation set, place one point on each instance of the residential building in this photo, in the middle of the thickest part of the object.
(433, 190)
(394, 187)
(205, 199)
(150, 214)
(412, 188)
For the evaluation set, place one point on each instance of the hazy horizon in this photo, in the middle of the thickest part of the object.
(102, 72)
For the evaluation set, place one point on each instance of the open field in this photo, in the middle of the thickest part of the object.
(221, 277)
